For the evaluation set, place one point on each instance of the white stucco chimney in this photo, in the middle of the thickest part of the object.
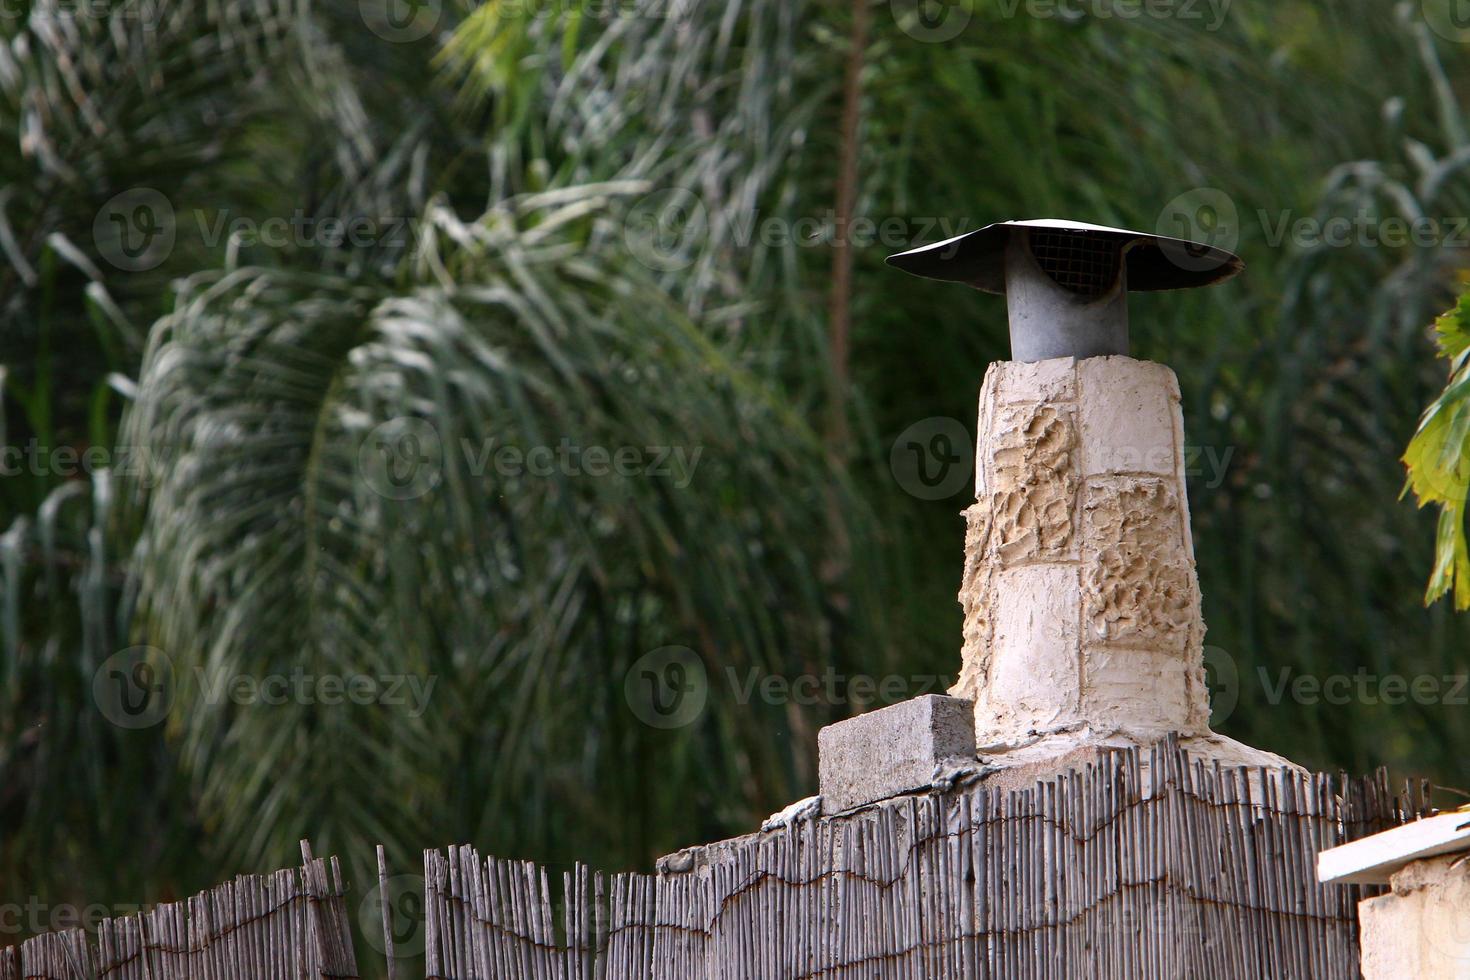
(1082, 606)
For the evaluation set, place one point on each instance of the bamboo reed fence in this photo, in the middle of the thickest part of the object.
(290, 924)
(1209, 873)
(1141, 866)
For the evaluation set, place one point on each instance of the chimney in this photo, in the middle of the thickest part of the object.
(1082, 606)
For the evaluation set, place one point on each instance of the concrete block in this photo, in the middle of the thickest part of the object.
(1128, 410)
(893, 750)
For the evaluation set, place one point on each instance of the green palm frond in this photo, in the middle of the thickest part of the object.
(522, 589)
(216, 109)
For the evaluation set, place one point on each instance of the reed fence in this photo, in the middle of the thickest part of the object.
(1208, 873)
(1143, 866)
(289, 924)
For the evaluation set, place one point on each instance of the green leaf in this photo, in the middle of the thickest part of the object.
(1452, 329)
(1438, 460)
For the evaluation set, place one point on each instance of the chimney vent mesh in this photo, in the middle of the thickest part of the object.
(1079, 263)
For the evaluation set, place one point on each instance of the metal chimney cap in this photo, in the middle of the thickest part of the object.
(1155, 262)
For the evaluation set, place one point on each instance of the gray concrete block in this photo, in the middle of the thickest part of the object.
(893, 750)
